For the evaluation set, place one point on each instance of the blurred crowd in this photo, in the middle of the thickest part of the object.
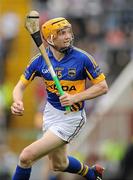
(104, 28)
(9, 23)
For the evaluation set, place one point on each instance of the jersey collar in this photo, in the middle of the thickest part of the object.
(50, 54)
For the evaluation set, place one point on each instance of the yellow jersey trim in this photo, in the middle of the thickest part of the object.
(100, 78)
(25, 81)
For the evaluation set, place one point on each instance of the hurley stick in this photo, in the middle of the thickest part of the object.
(32, 25)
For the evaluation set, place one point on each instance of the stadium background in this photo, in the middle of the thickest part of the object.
(104, 28)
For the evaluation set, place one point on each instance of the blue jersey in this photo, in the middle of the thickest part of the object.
(72, 71)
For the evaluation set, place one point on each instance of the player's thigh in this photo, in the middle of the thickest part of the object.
(58, 158)
(43, 146)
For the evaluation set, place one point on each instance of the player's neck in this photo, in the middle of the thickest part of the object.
(58, 55)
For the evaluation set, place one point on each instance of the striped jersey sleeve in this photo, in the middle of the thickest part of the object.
(92, 70)
(31, 70)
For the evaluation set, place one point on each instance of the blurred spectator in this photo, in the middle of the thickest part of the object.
(117, 59)
(115, 37)
(9, 23)
(10, 28)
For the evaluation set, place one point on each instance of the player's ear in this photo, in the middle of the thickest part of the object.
(50, 40)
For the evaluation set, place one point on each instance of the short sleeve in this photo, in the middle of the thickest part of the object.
(31, 71)
(92, 70)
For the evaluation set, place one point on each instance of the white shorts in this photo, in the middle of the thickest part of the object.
(65, 126)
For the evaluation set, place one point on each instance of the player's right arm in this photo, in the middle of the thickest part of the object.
(17, 107)
(29, 74)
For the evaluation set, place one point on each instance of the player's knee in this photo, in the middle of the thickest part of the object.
(59, 166)
(26, 158)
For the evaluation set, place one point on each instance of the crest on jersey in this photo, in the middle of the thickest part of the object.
(72, 72)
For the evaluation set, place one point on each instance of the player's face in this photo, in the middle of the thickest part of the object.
(63, 38)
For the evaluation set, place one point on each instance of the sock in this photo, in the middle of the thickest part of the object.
(76, 167)
(22, 173)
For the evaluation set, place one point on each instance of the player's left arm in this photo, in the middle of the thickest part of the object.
(90, 93)
(93, 91)
(98, 88)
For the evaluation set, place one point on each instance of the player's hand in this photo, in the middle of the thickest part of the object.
(17, 108)
(67, 99)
